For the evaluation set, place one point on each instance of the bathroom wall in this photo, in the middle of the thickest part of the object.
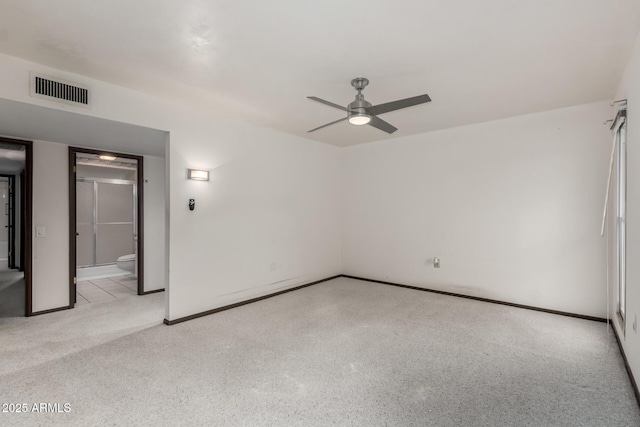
(91, 171)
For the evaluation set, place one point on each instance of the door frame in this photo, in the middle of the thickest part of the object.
(22, 226)
(621, 220)
(72, 216)
(27, 223)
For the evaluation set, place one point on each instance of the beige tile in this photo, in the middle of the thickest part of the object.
(80, 299)
(85, 287)
(125, 279)
(115, 288)
(100, 282)
(94, 293)
(99, 297)
(131, 285)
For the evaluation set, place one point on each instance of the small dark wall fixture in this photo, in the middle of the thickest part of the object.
(192, 204)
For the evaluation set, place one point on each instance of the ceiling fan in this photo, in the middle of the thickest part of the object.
(361, 112)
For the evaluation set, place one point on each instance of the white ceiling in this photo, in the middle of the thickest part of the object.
(257, 61)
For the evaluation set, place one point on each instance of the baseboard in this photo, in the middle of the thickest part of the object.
(238, 304)
(51, 310)
(493, 301)
(634, 384)
(249, 301)
(152, 292)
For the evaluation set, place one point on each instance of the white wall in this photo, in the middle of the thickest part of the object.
(51, 210)
(512, 208)
(50, 282)
(267, 220)
(630, 89)
(273, 198)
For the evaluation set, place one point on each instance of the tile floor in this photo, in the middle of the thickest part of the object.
(105, 290)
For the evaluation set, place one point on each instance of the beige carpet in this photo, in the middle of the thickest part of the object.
(343, 352)
(12, 293)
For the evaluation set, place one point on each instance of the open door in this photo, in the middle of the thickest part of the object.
(105, 220)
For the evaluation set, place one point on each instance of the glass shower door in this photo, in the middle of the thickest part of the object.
(114, 222)
(105, 228)
(85, 224)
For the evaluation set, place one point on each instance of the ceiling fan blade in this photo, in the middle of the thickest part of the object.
(377, 122)
(328, 124)
(330, 104)
(396, 105)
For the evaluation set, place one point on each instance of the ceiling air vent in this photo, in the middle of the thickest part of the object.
(59, 90)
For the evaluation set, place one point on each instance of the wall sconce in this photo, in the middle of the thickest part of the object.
(198, 175)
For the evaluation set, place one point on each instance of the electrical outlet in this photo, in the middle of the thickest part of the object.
(274, 266)
(436, 262)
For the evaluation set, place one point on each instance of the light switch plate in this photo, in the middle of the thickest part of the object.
(41, 231)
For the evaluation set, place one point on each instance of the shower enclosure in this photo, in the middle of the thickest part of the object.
(105, 220)
(106, 215)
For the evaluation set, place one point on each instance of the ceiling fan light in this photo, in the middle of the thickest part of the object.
(359, 119)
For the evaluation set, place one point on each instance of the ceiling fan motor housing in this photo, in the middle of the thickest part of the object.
(359, 105)
(358, 110)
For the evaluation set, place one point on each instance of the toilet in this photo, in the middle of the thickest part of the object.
(127, 263)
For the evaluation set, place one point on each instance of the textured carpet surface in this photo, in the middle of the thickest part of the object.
(12, 293)
(343, 352)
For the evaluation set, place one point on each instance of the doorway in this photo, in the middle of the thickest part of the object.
(106, 238)
(16, 186)
(7, 221)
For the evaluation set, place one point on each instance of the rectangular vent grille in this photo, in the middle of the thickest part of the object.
(59, 90)
(62, 91)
